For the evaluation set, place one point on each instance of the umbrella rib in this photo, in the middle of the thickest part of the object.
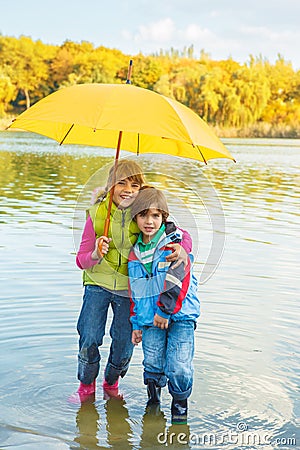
(61, 142)
(201, 154)
(138, 144)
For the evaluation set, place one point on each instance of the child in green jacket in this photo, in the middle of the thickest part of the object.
(105, 279)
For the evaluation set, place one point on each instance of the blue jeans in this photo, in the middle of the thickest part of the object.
(91, 328)
(168, 356)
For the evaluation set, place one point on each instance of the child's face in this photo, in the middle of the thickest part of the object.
(125, 192)
(149, 223)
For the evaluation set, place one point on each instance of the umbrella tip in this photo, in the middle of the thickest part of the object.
(128, 81)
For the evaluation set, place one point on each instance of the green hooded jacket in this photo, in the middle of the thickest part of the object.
(111, 272)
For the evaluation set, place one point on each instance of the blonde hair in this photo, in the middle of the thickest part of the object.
(125, 169)
(150, 197)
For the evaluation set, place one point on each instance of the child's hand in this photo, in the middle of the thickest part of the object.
(160, 322)
(105, 246)
(178, 254)
(136, 337)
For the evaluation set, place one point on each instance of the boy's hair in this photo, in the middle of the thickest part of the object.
(125, 169)
(150, 197)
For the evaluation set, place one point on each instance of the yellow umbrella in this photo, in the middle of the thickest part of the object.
(94, 114)
(125, 117)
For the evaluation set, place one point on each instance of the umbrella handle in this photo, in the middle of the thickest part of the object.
(105, 233)
(99, 250)
(107, 220)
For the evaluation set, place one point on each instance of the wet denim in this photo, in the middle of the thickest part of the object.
(91, 328)
(168, 356)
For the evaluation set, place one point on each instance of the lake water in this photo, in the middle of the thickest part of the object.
(243, 218)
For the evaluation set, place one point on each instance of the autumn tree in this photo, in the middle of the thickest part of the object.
(225, 93)
(7, 93)
(26, 64)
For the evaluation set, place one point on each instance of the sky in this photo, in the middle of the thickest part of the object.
(222, 28)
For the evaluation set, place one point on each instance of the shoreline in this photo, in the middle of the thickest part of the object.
(258, 130)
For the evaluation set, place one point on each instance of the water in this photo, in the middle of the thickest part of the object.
(243, 219)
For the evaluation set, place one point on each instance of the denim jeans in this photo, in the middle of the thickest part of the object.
(91, 328)
(168, 356)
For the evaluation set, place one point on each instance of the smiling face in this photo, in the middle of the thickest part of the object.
(149, 222)
(125, 193)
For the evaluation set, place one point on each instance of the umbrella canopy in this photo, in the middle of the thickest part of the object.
(94, 114)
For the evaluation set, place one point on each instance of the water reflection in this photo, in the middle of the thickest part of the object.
(115, 428)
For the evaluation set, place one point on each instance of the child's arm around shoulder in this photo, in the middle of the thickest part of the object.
(186, 242)
(180, 250)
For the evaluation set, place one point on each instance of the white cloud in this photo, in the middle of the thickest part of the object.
(270, 42)
(270, 35)
(195, 33)
(160, 31)
(260, 33)
(236, 42)
(164, 33)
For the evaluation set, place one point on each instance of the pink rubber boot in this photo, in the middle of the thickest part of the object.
(84, 392)
(111, 390)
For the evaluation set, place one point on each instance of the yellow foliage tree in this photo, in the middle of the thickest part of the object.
(225, 93)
